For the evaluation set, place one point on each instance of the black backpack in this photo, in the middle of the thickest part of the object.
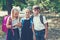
(41, 18)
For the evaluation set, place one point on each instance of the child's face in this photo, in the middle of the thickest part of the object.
(27, 13)
(16, 14)
(36, 11)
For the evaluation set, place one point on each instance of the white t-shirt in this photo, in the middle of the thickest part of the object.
(37, 23)
(14, 22)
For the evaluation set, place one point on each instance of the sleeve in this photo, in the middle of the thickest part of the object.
(21, 20)
(31, 20)
(44, 20)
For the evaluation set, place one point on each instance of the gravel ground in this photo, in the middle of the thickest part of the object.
(3, 38)
(54, 34)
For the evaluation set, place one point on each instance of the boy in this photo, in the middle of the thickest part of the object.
(40, 26)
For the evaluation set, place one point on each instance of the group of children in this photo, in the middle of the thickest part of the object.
(31, 26)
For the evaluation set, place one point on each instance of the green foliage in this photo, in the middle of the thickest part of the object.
(19, 3)
(52, 5)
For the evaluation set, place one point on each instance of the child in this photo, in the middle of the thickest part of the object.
(26, 22)
(13, 24)
(40, 24)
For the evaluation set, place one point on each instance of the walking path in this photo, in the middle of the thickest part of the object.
(54, 34)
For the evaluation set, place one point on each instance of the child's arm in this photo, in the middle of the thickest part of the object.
(46, 30)
(19, 24)
(34, 37)
(33, 28)
(8, 24)
(46, 27)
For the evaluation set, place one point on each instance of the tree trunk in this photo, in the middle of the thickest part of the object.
(9, 6)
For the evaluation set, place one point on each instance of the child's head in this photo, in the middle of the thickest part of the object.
(15, 12)
(27, 12)
(36, 9)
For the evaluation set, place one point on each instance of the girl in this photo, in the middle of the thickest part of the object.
(27, 33)
(13, 24)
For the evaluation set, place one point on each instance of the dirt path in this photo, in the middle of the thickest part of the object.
(54, 34)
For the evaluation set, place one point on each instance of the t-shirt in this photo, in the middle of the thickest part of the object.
(37, 23)
(14, 22)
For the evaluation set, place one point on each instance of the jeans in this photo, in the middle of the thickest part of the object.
(40, 34)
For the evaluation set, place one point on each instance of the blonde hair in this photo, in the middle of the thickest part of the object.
(14, 9)
(26, 10)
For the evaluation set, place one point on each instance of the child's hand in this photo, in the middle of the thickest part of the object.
(18, 24)
(34, 37)
(46, 36)
(9, 27)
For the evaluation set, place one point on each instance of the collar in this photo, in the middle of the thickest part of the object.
(37, 15)
(26, 18)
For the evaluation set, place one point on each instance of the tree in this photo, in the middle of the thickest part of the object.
(52, 5)
(9, 5)
(21, 3)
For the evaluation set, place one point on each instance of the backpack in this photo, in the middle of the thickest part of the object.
(4, 21)
(41, 18)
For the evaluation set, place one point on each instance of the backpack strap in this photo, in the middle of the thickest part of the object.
(10, 22)
(41, 19)
(32, 18)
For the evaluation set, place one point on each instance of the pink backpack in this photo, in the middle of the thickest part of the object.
(4, 28)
